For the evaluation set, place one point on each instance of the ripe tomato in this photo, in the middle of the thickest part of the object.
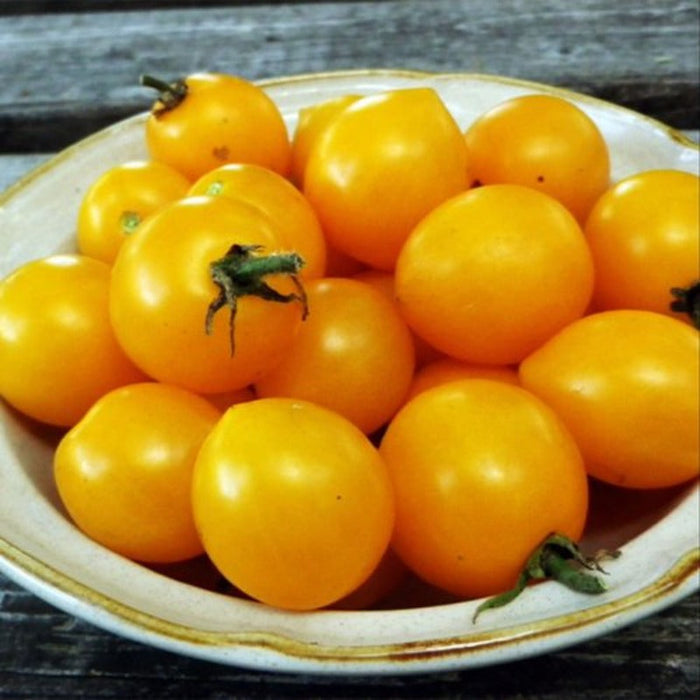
(447, 369)
(492, 273)
(163, 287)
(644, 234)
(379, 167)
(627, 385)
(293, 503)
(312, 121)
(545, 142)
(209, 119)
(58, 353)
(119, 200)
(353, 354)
(291, 215)
(482, 472)
(124, 472)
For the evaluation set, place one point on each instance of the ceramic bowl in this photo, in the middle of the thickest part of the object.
(179, 608)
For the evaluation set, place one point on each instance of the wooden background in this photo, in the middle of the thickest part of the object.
(69, 68)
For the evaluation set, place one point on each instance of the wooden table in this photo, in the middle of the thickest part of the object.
(69, 68)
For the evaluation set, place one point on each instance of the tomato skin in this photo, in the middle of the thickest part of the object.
(354, 354)
(58, 352)
(381, 165)
(293, 503)
(544, 142)
(646, 225)
(312, 121)
(119, 200)
(482, 472)
(492, 273)
(124, 472)
(627, 385)
(161, 288)
(291, 215)
(222, 119)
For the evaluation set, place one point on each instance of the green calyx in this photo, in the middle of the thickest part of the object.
(687, 301)
(240, 273)
(558, 558)
(170, 95)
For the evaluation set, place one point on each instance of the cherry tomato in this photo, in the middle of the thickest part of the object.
(545, 142)
(448, 369)
(293, 503)
(119, 200)
(163, 288)
(380, 166)
(627, 385)
(482, 472)
(124, 472)
(312, 121)
(489, 275)
(209, 119)
(353, 354)
(58, 353)
(291, 215)
(644, 234)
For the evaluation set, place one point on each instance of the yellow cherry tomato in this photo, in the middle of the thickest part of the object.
(644, 234)
(124, 472)
(119, 200)
(58, 352)
(380, 166)
(293, 503)
(545, 142)
(627, 385)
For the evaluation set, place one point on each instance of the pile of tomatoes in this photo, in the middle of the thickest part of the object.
(382, 344)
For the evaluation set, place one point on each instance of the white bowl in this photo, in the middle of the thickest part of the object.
(43, 551)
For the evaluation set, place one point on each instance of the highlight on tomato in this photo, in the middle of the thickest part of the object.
(208, 119)
(118, 201)
(292, 216)
(379, 166)
(203, 298)
(545, 142)
(483, 471)
(354, 354)
(292, 502)
(644, 234)
(58, 351)
(124, 472)
(627, 385)
(492, 273)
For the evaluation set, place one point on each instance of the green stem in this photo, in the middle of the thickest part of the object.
(240, 273)
(558, 558)
(687, 301)
(170, 95)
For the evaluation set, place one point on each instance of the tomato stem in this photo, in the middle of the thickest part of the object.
(560, 559)
(170, 95)
(687, 301)
(240, 273)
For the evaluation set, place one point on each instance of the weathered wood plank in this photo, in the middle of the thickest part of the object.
(65, 75)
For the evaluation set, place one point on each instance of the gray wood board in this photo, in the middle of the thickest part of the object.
(66, 75)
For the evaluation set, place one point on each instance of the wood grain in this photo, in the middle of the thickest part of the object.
(66, 75)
